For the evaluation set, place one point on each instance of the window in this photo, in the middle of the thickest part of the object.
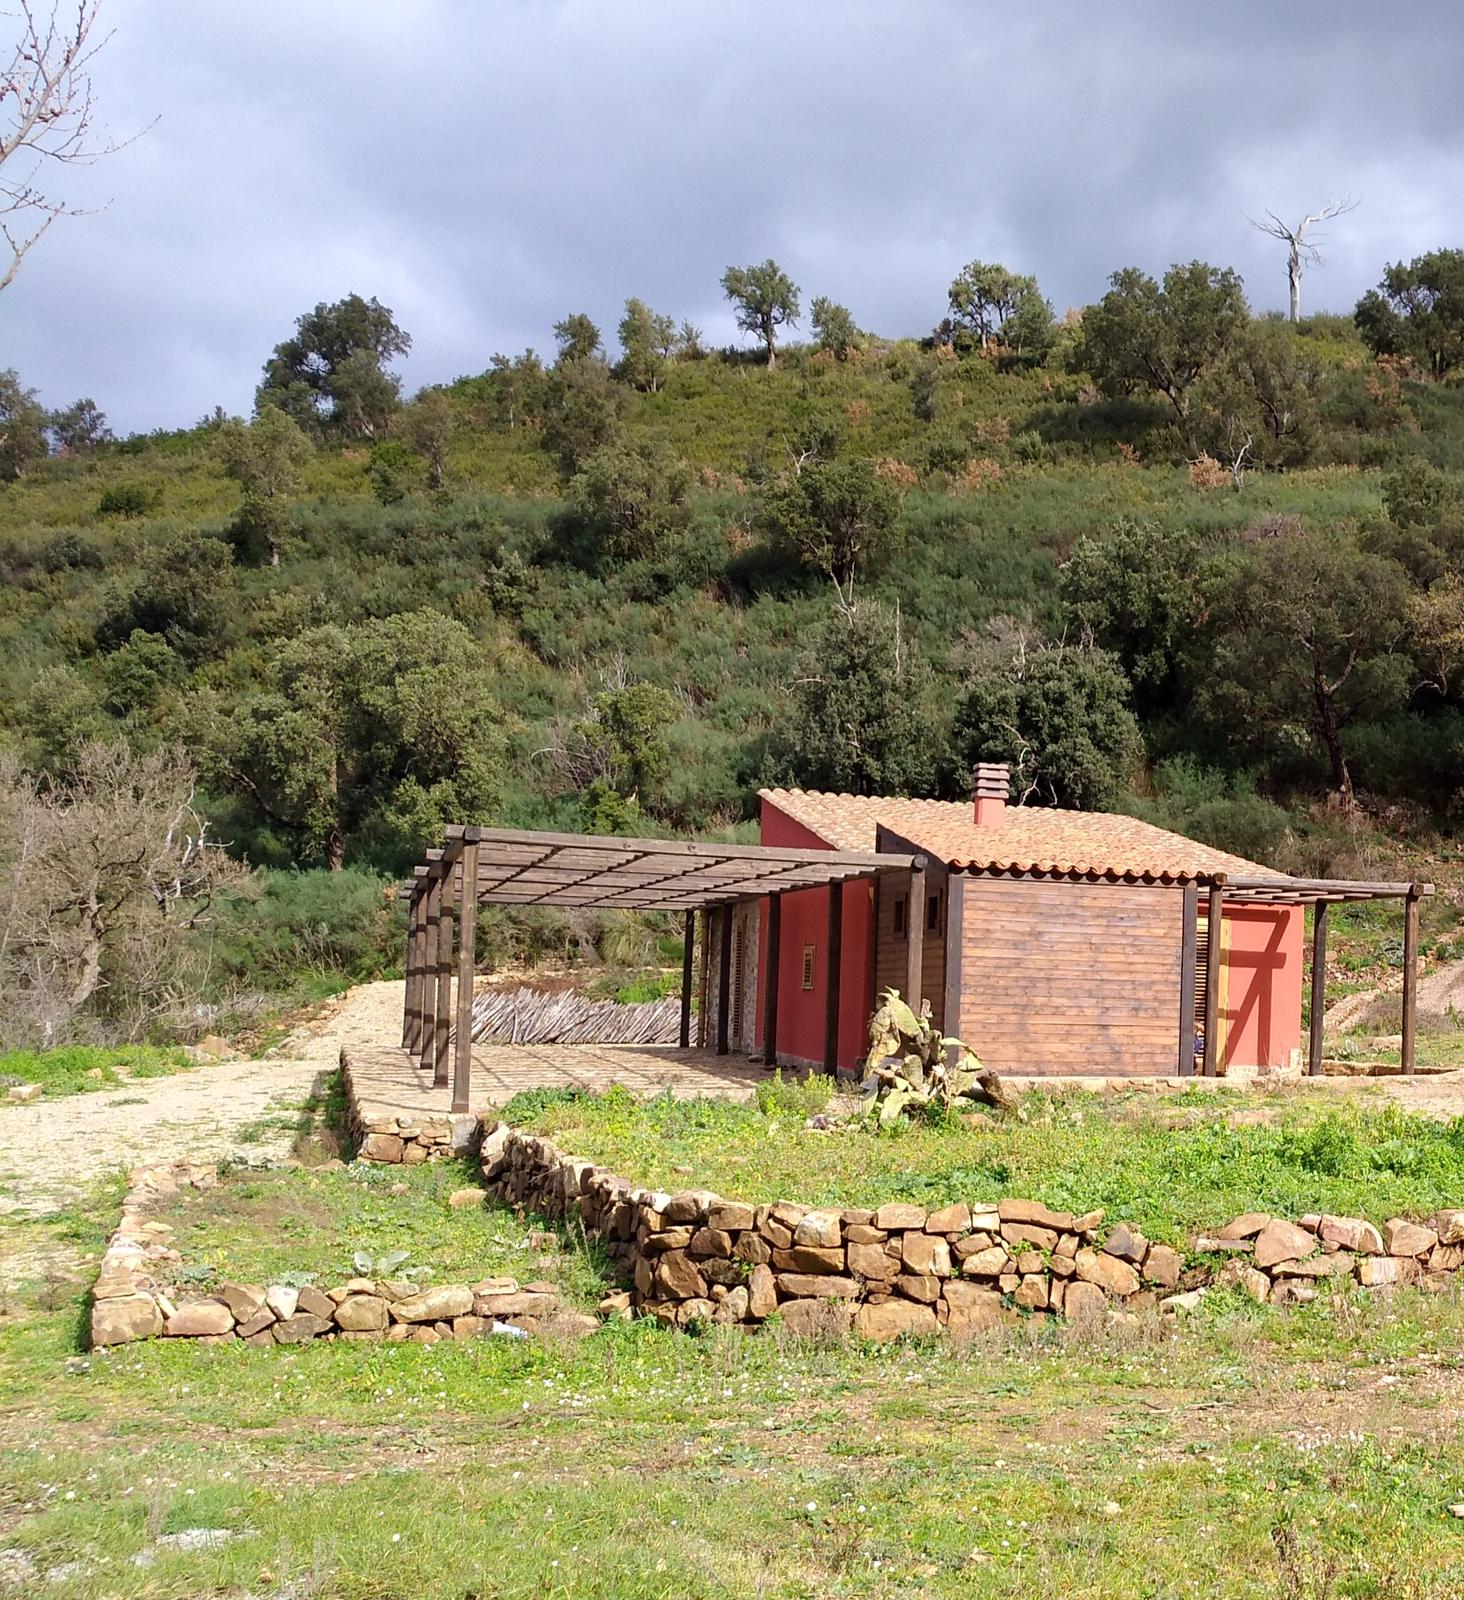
(932, 914)
(900, 909)
(808, 966)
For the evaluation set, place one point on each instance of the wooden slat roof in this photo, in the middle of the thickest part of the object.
(603, 873)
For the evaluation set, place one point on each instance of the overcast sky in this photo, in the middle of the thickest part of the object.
(484, 166)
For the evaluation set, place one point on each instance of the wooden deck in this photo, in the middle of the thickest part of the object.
(389, 1079)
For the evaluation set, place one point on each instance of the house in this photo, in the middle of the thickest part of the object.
(1052, 941)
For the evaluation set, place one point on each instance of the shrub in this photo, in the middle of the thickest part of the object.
(126, 500)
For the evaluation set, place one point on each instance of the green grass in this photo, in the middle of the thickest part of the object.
(1174, 1166)
(299, 1224)
(84, 1068)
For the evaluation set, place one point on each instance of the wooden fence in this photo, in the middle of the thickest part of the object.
(528, 1016)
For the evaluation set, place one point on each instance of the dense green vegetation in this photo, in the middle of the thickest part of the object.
(80, 1069)
(1162, 556)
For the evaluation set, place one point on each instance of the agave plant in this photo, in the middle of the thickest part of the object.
(911, 1063)
(368, 1265)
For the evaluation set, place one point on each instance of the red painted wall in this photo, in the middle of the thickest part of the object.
(1263, 984)
(805, 921)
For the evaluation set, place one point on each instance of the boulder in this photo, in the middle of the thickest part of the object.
(315, 1301)
(1282, 1241)
(1188, 1301)
(1127, 1243)
(24, 1093)
(818, 1286)
(1351, 1233)
(245, 1300)
(123, 1318)
(949, 1219)
(690, 1205)
(1031, 1293)
(438, 1304)
(1034, 1233)
(300, 1328)
(1375, 1272)
(926, 1253)
(1245, 1227)
(988, 1263)
(730, 1216)
(709, 1242)
(199, 1318)
(822, 1228)
(1404, 1238)
(1030, 1211)
(260, 1322)
(762, 1292)
(893, 1318)
(898, 1214)
(1449, 1225)
(970, 1306)
(734, 1307)
(1084, 1302)
(752, 1247)
(870, 1261)
(1106, 1272)
(677, 1277)
(461, 1199)
(385, 1147)
(281, 1300)
(362, 1313)
(1163, 1265)
(808, 1258)
(816, 1319)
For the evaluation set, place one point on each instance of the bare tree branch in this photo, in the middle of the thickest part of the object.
(1302, 243)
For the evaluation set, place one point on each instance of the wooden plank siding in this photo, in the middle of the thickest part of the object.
(1060, 977)
(890, 947)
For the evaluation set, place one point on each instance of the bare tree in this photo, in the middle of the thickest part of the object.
(107, 879)
(1301, 243)
(49, 117)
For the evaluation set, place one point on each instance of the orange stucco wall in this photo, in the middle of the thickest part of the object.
(805, 921)
(1263, 983)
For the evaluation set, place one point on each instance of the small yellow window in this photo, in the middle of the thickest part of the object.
(808, 966)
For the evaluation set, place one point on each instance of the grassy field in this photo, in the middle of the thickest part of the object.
(1174, 1165)
(83, 1069)
(297, 1225)
(1155, 1460)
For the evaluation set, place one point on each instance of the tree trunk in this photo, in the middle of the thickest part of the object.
(1293, 280)
(1331, 732)
(335, 850)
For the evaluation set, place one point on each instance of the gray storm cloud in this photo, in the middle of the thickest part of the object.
(486, 167)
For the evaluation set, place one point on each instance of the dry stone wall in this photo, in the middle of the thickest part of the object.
(131, 1299)
(382, 1133)
(695, 1256)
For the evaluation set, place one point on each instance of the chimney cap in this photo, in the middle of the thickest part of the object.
(991, 780)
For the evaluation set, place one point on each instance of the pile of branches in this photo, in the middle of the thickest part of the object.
(912, 1065)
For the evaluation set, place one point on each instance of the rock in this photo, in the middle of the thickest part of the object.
(892, 1319)
(808, 1258)
(438, 1304)
(470, 1327)
(385, 1147)
(818, 1286)
(362, 1313)
(734, 1307)
(949, 1219)
(245, 1300)
(615, 1307)
(1127, 1243)
(730, 1216)
(125, 1317)
(1404, 1238)
(971, 1306)
(1246, 1227)
(1163, 1265)
(779, 1237)
(315, 1301)
(1291, 1291)
(1374, 1272)
(461, 1199)
(493, 1150)
(762, 1292)
(355, 1286)
(1449, 1225)
(822, 1228)
(709, 1242)
(300, 1328)
(678, 1278)
(212, 1045)
(1029, 1211)
(260, 1322)
(690, 1205)
(24, 1093)
(898, 1214)
(1084, 1302)
(1446, 1258)
(282, 1301)
(1351, 1233)
(918, 1286)
(1029, 1233)
(816, 1319)
(1282, 1241)
(199, 1318)
(1338, 1265)
(1031, 1293)
(752, 1248)
(988, 1263)
(1106, 1272)
(1188, 1301)
(424, 1333)
(926, 1253)
(1030, 1261)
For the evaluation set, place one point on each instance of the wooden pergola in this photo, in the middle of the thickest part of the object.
(1319, 894)
(503, 866)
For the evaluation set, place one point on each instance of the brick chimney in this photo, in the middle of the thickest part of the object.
(991, 784)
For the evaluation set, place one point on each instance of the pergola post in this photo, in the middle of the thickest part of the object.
(1189, 937)
(770, 980)
(704, 982)
(1408, 1051)
(1214, 940)
(462, 1063)
(688, 953)
(724, 982)
(427, 970)
(1318, 988)
(412, 988)
(915, 939)
(444, 980)
(833, 964)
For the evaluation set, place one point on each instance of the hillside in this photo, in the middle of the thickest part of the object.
(555, 597)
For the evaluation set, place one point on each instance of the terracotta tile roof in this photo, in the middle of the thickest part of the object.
(1028, 838)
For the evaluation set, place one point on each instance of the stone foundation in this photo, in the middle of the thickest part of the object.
(129, 1303)
(696, 1257)
(385, 1134)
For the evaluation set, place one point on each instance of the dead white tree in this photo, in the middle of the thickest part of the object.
(47, 118)
(1301, 242)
